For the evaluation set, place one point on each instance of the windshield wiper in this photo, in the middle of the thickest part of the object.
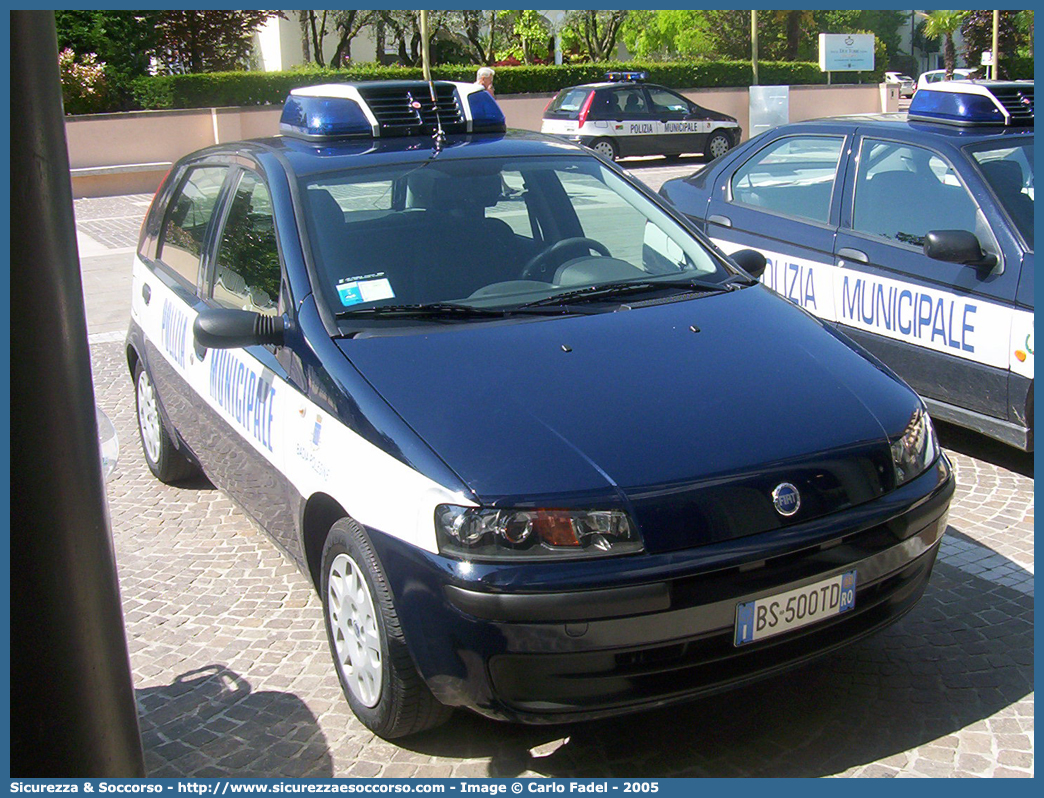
(443, 310)
(624, 287)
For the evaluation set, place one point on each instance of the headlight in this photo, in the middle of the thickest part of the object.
(916, 449)
(476, 532)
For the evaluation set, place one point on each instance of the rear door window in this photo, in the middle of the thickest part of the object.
(793, 176)
(183, 238)
(630, 102)
(247, 272)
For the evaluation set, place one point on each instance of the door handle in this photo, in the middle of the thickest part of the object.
(146, 293)
(853, 254)
(717, 218)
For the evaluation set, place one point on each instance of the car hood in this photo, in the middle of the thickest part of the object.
(689, 413)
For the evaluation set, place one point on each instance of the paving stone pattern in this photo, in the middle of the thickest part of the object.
(233, 676)
(114, 222)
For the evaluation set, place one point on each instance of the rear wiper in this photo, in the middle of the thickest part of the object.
(442, 310)
(624, 287)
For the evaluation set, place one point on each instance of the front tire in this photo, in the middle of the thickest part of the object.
(162, 457)
(373, 665)
(717, 145)
(606, 148)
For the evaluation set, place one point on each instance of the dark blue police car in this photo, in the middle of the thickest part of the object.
(912, 233)
(545, 452)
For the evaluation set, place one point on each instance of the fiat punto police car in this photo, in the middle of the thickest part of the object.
(626, 116)
(912, 233)
(544, 452)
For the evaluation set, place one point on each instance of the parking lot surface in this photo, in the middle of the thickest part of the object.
(233, 676)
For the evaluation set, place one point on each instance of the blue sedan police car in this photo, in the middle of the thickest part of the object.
(912, 233)
(515, 419)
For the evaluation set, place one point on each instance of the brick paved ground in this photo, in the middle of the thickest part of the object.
(113, 222)
(233, 676)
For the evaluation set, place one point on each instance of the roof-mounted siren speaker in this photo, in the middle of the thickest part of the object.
(972, 104)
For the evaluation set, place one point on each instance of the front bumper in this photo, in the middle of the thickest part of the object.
(546, 644)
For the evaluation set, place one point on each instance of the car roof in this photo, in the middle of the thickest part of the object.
(617, 84)
(893, 122)
(306, 157)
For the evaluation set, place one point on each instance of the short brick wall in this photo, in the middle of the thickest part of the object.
(112, 154)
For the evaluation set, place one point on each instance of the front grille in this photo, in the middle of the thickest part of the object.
(406, 109)
(1017, 101)
(601, 681)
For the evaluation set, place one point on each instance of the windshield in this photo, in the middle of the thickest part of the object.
(492, 234)
(1008, 168)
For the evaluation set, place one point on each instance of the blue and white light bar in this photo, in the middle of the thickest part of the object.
(385, 109)
(969, 104)
(626, 77)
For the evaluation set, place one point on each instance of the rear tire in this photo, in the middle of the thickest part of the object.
(606, 148)
(372, 662)
(717, 145)
(163, 458)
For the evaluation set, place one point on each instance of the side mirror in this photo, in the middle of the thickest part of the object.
(226, 328)
(751, 261)
(957, 246)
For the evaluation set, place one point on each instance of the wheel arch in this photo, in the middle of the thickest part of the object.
(321, 511)
(133, 358)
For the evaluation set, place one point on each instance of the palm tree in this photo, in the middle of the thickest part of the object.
(942, 25)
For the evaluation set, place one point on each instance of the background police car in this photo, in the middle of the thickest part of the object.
(625, 116)
(792, 195)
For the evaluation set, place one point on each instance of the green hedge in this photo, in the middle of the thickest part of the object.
(1016, 68)
(222, 89)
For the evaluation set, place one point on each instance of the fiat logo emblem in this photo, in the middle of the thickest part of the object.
(786, 499)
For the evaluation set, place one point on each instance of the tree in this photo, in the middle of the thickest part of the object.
(348, 25)
(1025, 23)
(124, 40)
(313, 32)
(885, 25)
(207, 41)
(530, 36)
(921, 41)
(977, 31)
(666, 35)
(480, 32)
(597, 31)
(404, 27)
(942, 25)
(782, 35)
(797, 26)
(729, 31)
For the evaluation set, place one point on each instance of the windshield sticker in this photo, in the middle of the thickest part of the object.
(364, 288)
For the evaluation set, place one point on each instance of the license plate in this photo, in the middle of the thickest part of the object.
(773, 615)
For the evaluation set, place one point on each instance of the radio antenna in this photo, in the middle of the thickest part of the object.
(440, 135)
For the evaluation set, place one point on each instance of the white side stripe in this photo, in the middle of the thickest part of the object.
(958, 324)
